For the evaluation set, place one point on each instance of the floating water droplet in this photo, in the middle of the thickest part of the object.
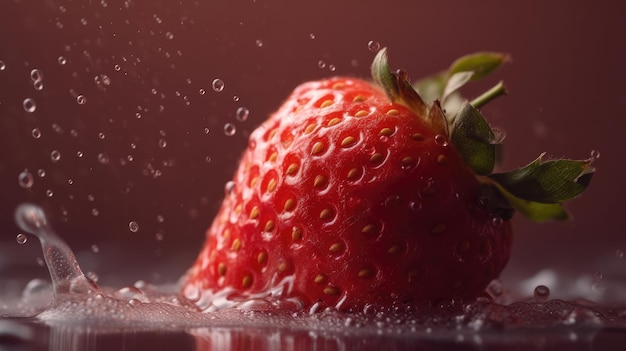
(62, 60)
(201, 91)
(169, 35)
(133, 226)
(242, 114)
(158, 236)
(95, 212)
(95, 248)
(321, 64)
(332, 68)
(595, 154)
(55, 155)
(415, 206)
(230, 129)
(235, 98)
(21, 238)
(542, 293)
(101, 136)
(259, 43)
(81, 99)
(36, 133)
(312, 36)
(218, 85)
(25, 179)
(36, 74)
(38, 85)
(103, 158)
(208, 159)
(497, 221)
(162, 143)
(3, 65)
(117, 68)
(619, 253)
(41, 173)
(49, 193)
(29, 105)
(373, 46)
(79, 154)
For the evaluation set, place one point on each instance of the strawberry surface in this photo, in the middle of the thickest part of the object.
(347, 197)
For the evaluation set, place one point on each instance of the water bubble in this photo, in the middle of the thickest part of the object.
(103, 158)
(49, 193)
(133, 226)
(83, 21)
(201, 91)
(158, 236)
(441, 140)
(41, 173)
(3, 65)
(36, 74)
(208, 159)
(55, 155)
(169, 35)
(415, 206)
(95, 248)
(259, 43)
(321, 64)
(81, 99)
(79, 154)
(101, 135)
(229, 187)
(332, 68)
(117, 68)
(162, 143)
(235, 98)
(242, 114)
(230, 129)
(38, 85)
(36, 133)
(619, 253)
(21, 238)
(218, 85)
(373, 46)
(62, 60)
(312, 36)
(29, 105)
(595, 154)
(542, 293)
(25, 179)
(95, 212)
(497, 221)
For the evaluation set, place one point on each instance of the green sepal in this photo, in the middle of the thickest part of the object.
(474, 139)
(383, 76)
(480, 64)
(535, 211)
(551, 181)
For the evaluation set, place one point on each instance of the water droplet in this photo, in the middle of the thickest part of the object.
(332, 68)
(25, 179)
(83, 21)
(229, 187)
(312, 36)
(55, 155)
(230, 129)
(321, 64)
(208, 159)
(21, 238)
(242, 114)
(36, 74)
(62, 60)
(103, 159)
(162, 143)
(3, 65)
(95, 248)
(36, 133)
(38, 85)
(101, 136)
(95, 212)
(29, 105)
(619, 253)
(415, 206)
(497, 221)
(595, 154)
(235, 98)
(373, 46)
(49, 193)
(158, 236)
(169, 35)
(81, 99)
(201, 91)
(79, 154)
(441, 140)
(117, 68)
(218, 85)
(41, 173)
(542, 293)
(133, 226)
(259, 43)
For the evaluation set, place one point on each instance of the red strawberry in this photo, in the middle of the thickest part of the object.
(352, 195)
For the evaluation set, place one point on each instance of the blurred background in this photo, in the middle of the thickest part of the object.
(124, 119)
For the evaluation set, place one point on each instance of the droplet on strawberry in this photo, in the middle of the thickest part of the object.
(356, 194)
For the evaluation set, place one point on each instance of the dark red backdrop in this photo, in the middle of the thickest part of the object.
(567, 97)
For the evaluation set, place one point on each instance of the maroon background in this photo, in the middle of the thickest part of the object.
(567, 97)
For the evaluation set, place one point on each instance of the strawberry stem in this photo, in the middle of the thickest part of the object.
(495, 91)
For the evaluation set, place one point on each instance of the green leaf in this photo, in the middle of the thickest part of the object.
(474, 139)
(383, 76)
(455, 82)
(480, 63)
(551, 181)
(535, 211)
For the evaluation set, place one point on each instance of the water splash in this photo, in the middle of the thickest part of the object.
(66, 275)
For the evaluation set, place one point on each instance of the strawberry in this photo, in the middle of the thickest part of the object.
(357, 193)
